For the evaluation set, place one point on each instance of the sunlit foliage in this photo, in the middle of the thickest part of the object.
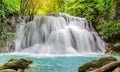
(30, 6)
(39, 7)
(36, 7)
(11, 5)
(89, 8)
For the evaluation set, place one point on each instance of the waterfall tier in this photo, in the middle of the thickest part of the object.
(62, 34)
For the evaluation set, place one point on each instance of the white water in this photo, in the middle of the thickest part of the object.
(62, 34)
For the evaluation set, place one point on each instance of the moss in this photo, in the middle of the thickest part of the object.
(16, 64)
(116, 47)
(117, 44)
(96, 64)
(112, 52)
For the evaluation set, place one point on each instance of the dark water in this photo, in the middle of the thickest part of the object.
(52, 64)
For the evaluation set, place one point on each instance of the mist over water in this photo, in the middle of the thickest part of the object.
(62, 34)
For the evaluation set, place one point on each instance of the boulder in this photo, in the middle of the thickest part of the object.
(96, 64)
(116, 47)
(16, 64)
(114, 50)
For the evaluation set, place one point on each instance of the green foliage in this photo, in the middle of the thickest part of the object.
(11, 5)
(40, 7)
(88, 8)
(117, 44)
(8, 7)
(2, 14)
(110, 31)
(35, 7)
(5, 33)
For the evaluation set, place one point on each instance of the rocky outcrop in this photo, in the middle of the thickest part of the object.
(18, 65)
(96, 64)
(112, 52)
(114, 49)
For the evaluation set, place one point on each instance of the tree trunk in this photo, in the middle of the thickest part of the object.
(107, 67)
(116, 9)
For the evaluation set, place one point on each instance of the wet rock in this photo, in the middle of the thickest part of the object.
(116, 69)
(116, 47)
(109, 46)
(16, 64)
(8, 70)
(20, 70)
(96, 64)
(114, 50)
(11, 70)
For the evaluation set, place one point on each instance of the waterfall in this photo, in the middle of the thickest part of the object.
(62, 34)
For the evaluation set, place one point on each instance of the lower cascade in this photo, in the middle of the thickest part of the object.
(61, 34)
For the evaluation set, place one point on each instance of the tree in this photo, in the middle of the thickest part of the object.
(116, 10)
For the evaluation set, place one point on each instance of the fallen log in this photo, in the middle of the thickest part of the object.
(107, 67)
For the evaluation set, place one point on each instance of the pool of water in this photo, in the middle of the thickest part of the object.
(52, 64)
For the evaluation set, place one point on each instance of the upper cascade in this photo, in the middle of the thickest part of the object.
(61, 34)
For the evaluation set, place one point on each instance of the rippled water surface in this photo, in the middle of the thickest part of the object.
(52, 64)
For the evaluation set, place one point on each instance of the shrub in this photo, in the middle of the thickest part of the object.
(110, 31)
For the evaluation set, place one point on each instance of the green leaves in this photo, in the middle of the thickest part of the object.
(35, 7)
(2, 14)
(12, 5)
(110, 31)
(88, 8)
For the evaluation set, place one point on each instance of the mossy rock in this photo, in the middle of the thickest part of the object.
(16, 64)
(96, 64)
(112, 52)
(116, 47)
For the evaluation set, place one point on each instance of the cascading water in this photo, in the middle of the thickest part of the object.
(62, 34)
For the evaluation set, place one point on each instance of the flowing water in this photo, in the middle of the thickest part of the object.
(62, 34)
(56, 43)
(52, 64)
